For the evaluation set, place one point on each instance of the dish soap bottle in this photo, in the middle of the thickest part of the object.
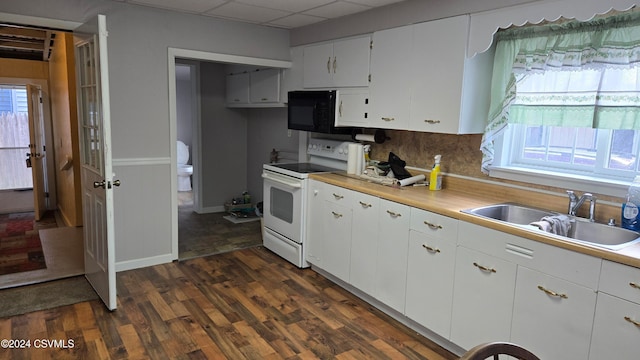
(435, 178)
(630, 212)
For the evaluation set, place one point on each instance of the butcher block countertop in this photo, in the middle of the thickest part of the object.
(449, 201)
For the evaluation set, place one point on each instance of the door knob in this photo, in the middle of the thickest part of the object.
(97, 184)
(116, 182)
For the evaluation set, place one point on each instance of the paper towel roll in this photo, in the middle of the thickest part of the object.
(411, 180)
(365, 137)
(352, 158)
(359, 158)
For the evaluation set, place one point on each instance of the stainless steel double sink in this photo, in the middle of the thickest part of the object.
(581, 230)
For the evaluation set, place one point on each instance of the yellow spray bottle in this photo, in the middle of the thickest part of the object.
(435, 178)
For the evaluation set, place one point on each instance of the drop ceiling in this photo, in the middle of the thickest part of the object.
(285, 14)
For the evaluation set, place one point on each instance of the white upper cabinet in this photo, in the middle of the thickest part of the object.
(265, 86)
(353, 108)
(257, 88)
(390, 91)
(449, 92)
(238, 89)
(421, 79)
(342, 63)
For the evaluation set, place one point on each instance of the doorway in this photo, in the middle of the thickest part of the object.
(176, 58)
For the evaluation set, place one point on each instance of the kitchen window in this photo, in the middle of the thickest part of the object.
(565, 105)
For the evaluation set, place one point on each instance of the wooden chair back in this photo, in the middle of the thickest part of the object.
(494, 349)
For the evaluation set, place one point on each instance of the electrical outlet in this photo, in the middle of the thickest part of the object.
(288, 132)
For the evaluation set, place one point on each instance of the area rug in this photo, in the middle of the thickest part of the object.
(44, 296)
(20, 245)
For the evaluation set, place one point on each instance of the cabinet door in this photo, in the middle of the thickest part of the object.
(265, 86)
(616, 329)
(318, 64)
(238, 88)
(390, 88)
(393, 243)
(364, 242)
(552, 317)
(314, 224)
(336, 247)
(430, 272)
(482, 298)
(353, 107)
(350, 64)
(438, 68)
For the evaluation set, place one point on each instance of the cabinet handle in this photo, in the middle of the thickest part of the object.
(634, 285)
(338, 215)
(484, 268)
(636, 323)
(432, 225)
(552, 293)
(335, 64)
(393, 214)
(340, 109)
(364, 204)
(388, 119)
(430, 249)
(264, 99)
(329, 65)
(338, 197)
(429, 121)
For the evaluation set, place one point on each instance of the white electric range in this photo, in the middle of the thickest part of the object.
(285, 197)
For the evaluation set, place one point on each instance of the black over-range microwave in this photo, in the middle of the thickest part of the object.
(315, 111)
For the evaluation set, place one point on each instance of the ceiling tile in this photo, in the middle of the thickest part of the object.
(296, 20)
(374, 2)
(195, 6)
(235, 10)
(337, 9)
(288, 5)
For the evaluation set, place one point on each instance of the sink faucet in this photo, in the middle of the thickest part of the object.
(575, 203)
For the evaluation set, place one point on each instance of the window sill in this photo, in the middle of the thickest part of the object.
(570, 182)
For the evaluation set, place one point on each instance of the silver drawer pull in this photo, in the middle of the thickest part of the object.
(393, 214)
(432, 121)
(430, 249)
(634, 285)
(484, 268)
(552, 293)
(432, 225)
(388, 119)
(636, 323)
(364, 204)
(338, 215)
(338, 197)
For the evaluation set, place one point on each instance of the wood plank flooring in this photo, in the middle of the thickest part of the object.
(245, 304)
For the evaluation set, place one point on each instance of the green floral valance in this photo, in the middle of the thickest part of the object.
(534, 76)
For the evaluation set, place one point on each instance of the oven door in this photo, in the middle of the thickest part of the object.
(283, 204)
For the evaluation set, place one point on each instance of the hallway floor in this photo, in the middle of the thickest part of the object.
(208, 234)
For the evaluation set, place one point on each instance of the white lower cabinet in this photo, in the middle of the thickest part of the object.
(430, 270)
(364, 242)
(393, 243)
(482, 298)
(314, 226)
(552, 317)
(336, 243)
(616, 327)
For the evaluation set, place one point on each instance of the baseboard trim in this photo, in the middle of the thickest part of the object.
(144, 262)
(211, 209)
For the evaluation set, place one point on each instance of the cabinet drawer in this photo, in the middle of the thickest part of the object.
(620, 280)
(434, 225)
(562, 263)
(338, 195)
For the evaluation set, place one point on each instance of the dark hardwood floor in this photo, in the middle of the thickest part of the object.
(245, 304)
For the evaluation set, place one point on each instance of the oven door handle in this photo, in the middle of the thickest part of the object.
(280, 180)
